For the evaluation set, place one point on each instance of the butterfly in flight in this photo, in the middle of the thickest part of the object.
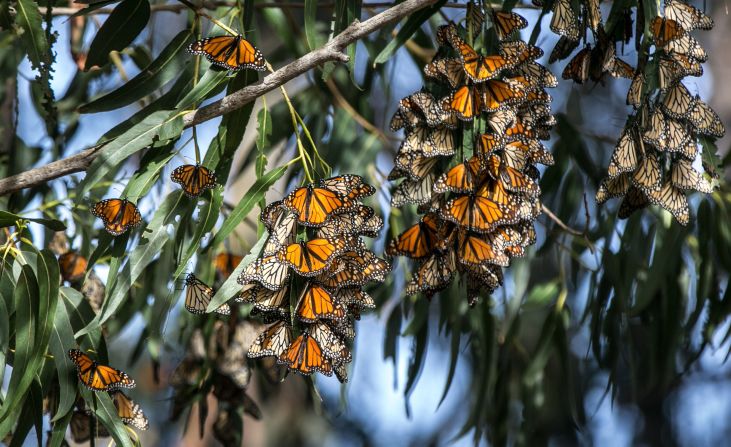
(229, 52)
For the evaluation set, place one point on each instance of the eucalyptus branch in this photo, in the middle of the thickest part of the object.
(572, 231)
(332, 51)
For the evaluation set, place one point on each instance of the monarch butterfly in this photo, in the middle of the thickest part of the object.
(413, 165)
(475, 249)
(348, 185)
(485, 278)
(317, 303)
(262, 298)
(98, 377)
(479, 213)
(478, 68)
(373, 267)
(118, 215)
(82, 425)
(282, 234)
(489, 142)
(633, 200)
(355, 297)
(433, 274)
(578, 67)
(440, 142)
(624, 157)
(194, 179)
(563, 48)
(564, 22)
(268, 271)
(312, 257)
(417, 241)
(672, 70)
(427, 107)
(413, 191)
(519, 52)
(404, 118)
(683, 176)
(688, 46)
(229, 52)
(616, 67)
(634, 94)
(226, 263)
(506, 23)
(314, 205)
(511, 178)
(461, 178)
(449, 69)
(613, 187)
(655, 130)
(331, 344)
(665, 30)
(355, 269)
(677, 101)
(360, 221)
(304, 356)
(129, 411)
(497, 93)
(705, 119)
(443, 33)
(673, 200)
(593, 14)
(519, 132)
(272, 341)
(501, 120)
(539, 74)
(73, 266)
(198, 295)
(687, 16)
(676, 135)
(648, 176)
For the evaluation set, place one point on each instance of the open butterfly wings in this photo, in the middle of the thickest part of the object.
(229, 52)
(194, 179)
(98, 377)
(117, 215)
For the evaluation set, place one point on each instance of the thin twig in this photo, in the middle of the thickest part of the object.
(572, 231)
(210, 5)
(360, 119)
(332, 51)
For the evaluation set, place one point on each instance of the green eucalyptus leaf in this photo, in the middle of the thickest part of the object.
(166, 67)
(8, 219)
(231, 287)
(247, 203)
(28, 18)
(62, 339)
(123, 25)
(412, 24)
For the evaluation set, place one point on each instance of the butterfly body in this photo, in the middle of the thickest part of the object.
(229, 52)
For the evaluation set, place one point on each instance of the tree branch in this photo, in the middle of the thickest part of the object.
(332, 51)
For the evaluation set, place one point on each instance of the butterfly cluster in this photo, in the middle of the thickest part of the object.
(653, 160)
(103, 378)
(469, 160)
(308, 280)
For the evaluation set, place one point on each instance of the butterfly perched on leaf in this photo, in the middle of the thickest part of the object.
(72, 266)
(198, 295)
(687, 16)
(564, 21)
(229, 52)
(98, 377)
(672, 199)
(317, 303)
(665, 30)
(268, 271)
(433, 274)
(613, 187)
(305, 356)
(461, 178)
(331, 344)
(129, 411)
(479, 249)
(117, 215)
(194, 179)
(683, 176)
(314, 205)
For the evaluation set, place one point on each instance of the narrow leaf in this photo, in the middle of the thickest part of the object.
(230, 287)
(33, 37)
(123, 25)
(9, 219)
(407, 30)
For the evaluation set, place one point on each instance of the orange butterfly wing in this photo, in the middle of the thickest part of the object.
(230, 52)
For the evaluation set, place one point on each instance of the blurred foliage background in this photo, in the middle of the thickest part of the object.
(614, 332)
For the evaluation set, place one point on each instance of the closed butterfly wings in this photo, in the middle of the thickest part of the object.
(198, 295)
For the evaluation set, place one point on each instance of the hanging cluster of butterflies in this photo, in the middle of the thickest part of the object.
(314, 232)
(102, 378)
(469, 160)
(653, 162)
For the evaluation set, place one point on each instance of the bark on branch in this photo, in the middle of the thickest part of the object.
(332, 51)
